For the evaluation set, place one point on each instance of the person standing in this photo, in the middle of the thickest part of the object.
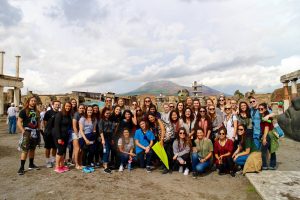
(165, 116)
(12, 119)
(28, 123)
(48, 123)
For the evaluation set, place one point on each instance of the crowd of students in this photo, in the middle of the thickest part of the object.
(195, 137)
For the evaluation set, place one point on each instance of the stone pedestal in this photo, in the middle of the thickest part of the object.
(17, 96)
(1, 101)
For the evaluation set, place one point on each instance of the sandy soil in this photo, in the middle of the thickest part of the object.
(138, 184)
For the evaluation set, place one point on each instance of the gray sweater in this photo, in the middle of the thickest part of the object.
(181, 150)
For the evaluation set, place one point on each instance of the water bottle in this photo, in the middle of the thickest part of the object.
(129, 164)
(104, 149)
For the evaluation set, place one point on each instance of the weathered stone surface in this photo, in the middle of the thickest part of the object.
(289, 120)
(272, 185)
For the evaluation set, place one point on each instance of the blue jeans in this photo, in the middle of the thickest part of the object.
(124, 158)
(241, 160)
(197, 165)
(141, 158)
(12, 124)
(106, 154)
(264, 151)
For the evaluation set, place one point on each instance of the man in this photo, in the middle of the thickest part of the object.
(28, 123)
(171, 106)
(48, 123)
(165, 116)
(12, 119)
(256, 119)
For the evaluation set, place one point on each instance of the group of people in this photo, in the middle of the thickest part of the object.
(195, 137)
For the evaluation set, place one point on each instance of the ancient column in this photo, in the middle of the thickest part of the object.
(1, 101)
(1, 61)
(294, 88)
(18, 66)
(286, 95)
(17, 96)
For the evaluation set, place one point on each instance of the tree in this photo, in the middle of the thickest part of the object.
(238, 94)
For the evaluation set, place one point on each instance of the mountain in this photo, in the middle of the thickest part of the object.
(168, 88)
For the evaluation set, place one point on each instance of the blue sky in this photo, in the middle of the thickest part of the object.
(116, 45)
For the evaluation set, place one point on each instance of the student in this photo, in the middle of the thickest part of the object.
(28, 123)
(146, 105)
(269, 141)
(216, 122)
(230, 123)
(221, 103)
(181, 148)
(203, 121)
(174, 120)
(126, 146)
(87, 130)
(244, 117)
(106, 128)
(77, 152)
(165, 116)
(202, 153)
(189, 102)
(144, 141)
(12, 119)
(153, 109)
(188, 122)
(115, 118)
(98, 150)
(196, 107)
(180, 109)
(223, 149)
(48, 122)
(62, 130)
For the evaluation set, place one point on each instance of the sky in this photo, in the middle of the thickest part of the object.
(117, 45)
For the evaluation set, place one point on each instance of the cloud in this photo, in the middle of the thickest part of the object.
(9, 15)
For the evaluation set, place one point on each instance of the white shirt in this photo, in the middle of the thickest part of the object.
(229, 126)
(11, 111)
(165, 117)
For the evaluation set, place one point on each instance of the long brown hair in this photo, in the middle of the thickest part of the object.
(186, 140)
(63, 109)
(27, 109)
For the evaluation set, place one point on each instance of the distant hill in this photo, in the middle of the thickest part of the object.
(168, 88)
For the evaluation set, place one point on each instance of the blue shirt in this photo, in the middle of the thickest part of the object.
(256, 119)
(141, 137)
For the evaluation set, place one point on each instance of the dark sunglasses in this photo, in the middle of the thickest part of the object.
(181, 133)
(211, 109)
(252, 101)
(138, 110)
(241, 129)
(222, 133)
(202, 111)
(221, 99)
(227, 108)
(261, 108)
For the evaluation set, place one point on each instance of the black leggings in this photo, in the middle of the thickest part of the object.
(168, 146)
(62, 148)
(227, 165)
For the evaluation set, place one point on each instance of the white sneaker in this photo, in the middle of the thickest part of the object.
(186, 172)
(49, 165)
(121, 168)
(180, 169)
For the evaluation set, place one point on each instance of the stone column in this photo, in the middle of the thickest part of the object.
(286, 95)
(294, 88)
(1, 101)
(1, 61)
(17, 96)
(18, 66)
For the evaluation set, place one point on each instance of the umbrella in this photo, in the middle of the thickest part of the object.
(161, 153)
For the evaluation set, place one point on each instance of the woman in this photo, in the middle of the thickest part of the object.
(87, 129)
(158, 128)
(181, 148)
(210, 102)
(106, 128)
(126, 146)
(180, 109)
(189, 102)
(230, 123)
(245, 146)
(74, 106)
(144, 140)
(138, 115)
(244, 117)
(196, 107)
(174, 120)
(202, 153)
(216, 122)
(188, 122)
(269, 140)
(97, 116)
(62, 130)
(153, 109)
(146, 105)
(223, 149)
(221, 103)
(77, 153)
(203, 121)
(28, 123)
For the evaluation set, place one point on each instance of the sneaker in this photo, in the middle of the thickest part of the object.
(186, 172)
(148, 169)
(265, 168)
(33, 167)
(65, 168)
(165, 171)
(97, 165)
(121, 168)
(92, 165)
(59, 170)
(272, 168)
(180, 169)
(91, 169)
(107, 171)
(195, 174)
(232, 173)
(21, 171)
(86, 170)
(49, 165)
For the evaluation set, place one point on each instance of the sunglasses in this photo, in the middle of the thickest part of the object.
(241, 129)
(221, 99)
(138, 110)
(227, 108)
(202, 111)
(171, 106)
(148, 101)
(252, 101)
(211, 109)
(261, 108)
(181, 133)
(222, 133)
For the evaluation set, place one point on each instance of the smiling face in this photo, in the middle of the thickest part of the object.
(174, 116)
(211, 109)
(151, 118)
(68, 107)
(196, 104)
(243, 107)
(89, 111)
(202, 112)
(74, 103)
(81, 109)
(117, 110)
(241, 130)
(180, 106)
(187, 113)
(253, 102)
(126, 133)
(222, 134)
(147, 102)
(200, 134)
(261, 109)
(182, 134)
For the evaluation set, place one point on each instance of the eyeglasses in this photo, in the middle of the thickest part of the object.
(252, 101)
(261, 108)
(241, 129)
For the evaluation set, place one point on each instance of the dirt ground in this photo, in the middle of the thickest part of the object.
(138, 184)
